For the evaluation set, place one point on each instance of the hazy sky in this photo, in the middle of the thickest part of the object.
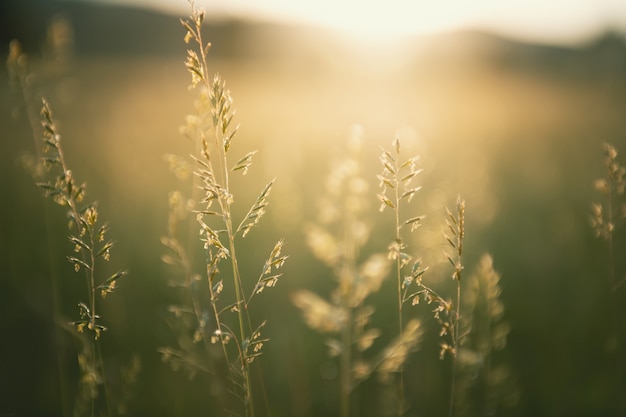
(540, 20)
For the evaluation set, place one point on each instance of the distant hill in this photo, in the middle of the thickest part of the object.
(116, 30)
(98, 29)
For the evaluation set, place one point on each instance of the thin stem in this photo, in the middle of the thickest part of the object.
(107, 394)
(224, 202)
(398, 264)
(400, 386)
(455, 345)
(92, 281)
(395, 181)
(346, 358)
(350, 252)
(242, 305)
(456, 225)
(613, 288)
(485, 406)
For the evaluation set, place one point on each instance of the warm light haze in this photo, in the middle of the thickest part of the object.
(433, 190)
(558, 21)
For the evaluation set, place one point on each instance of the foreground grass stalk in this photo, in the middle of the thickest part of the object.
(447, 312)
(89, 242)
(456, 225)
(221, 120)
(87, 237)
(212, 130)
(396, 179)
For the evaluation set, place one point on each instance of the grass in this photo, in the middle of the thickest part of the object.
(88, 236)
(240, 338)
(484, 383)
(218, 323)
(397, 178)
(607, 216)
(337, 239)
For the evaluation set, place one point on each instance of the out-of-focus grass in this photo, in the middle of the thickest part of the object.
(521, 144)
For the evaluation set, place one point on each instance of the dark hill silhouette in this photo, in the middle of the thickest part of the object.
(108, 30)
(101, 29)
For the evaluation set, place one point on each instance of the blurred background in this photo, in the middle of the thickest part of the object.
(507, 105)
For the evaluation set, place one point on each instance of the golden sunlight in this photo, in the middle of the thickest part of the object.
(389, 19)
(560, 21)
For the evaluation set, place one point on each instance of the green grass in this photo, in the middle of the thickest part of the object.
(511, 345)
(90, 247)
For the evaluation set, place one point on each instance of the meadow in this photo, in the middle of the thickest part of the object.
(516, 130)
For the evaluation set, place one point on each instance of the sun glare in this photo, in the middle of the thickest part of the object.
(375, 20)
(561, 21)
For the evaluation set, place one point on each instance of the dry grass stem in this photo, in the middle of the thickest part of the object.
(397, 190)
(225, 320)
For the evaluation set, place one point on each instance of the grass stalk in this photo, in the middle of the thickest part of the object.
(225, 199)
(85, 235)
(218, 233)
(447, 312)
(399, 282)
(88, 242)
(455, 345)
(337, 239)
(456, 225)
(396, 179)
(604, 223)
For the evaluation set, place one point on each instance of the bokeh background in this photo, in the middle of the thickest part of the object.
(514, 126)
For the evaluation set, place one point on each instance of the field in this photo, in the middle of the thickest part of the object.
(517, 130)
